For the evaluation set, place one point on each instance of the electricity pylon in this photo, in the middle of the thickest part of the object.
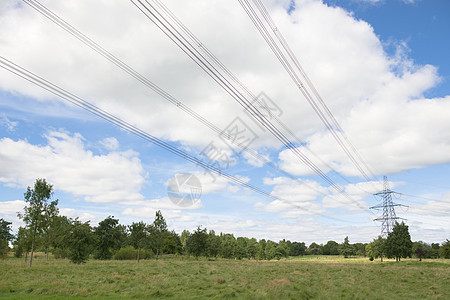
(388, 218)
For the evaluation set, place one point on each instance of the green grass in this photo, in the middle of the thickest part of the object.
(308, 277)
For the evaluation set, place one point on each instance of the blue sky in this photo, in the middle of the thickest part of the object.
(381, 67)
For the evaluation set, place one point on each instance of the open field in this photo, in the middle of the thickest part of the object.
(323, 277)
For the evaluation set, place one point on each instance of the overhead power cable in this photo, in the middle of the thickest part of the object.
(327, 118)
(75, 100)
(157, 17)
(149, 84)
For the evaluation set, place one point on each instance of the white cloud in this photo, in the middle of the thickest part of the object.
(110, 143)
(8, 124)
(65, 163)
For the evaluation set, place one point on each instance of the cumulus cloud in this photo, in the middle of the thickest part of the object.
(70, 167)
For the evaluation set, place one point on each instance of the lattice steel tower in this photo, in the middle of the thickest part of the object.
(388, 218)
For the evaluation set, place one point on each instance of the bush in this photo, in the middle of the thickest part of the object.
(130, 253)
(125, 253)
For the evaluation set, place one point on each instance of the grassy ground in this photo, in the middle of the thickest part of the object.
(324, 277)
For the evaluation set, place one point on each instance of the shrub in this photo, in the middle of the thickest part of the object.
(125, 253)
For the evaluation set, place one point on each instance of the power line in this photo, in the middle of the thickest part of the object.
(146, 82)
(174, 34)
(330, 125)
(75, 100)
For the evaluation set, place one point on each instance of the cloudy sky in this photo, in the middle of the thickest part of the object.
(380, 66)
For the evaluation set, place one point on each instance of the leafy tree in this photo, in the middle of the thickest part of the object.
(298, 249)
(227, 245)
(49, 230)
(346, 249)
(22, 243)
(213, 244)
(138, 236)
(331, 248)
(252, 248)
(314, 249)
(172, 243)
(240, 250)
(398, 242)
(60, 230)
(196, 244)
(158, 232)
(434, 252)
(359, 249)
(378, 248)
(283, 248)
(108, 235)
(36, 213)
(421, 249)
(80, 242)
(5, 237)
(184, 237)
(261, 254)
(444, 251)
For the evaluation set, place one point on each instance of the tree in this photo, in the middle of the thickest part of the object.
(444, 251)
(213, 244)
(331, 248)
(196, 244)
(315, 249)
(298, 249)
(107, 235)
(22, 243)
(36, 213)
(227, 245)
(378, 248)
(80, 241)
(158, 232)
(434, 252)
(346, 249)
(421, 249)
(172, 243)
(5, 237)
(49, 229)
(398, 242)
(184, 237)
(252, 248)
(138, 235)
(60, 230)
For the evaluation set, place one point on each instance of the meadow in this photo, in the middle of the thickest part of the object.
(307, 277)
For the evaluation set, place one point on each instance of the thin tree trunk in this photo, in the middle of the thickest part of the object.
(381, 257)
(32, 250)
(139, 253)
(46, 250)
(26, 256)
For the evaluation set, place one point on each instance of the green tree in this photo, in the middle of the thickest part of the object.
(261, 254)
(315, 249)
(213, 244)
(59, 232)
(240, 250)
(5, 237)
(172, 243)
(444, 251)
(138, 236)
(108, 237)
(158, 233)
(80, 241)
(49, 230)
(184, 237)
(227, 245)
(252, 248)
(331, 248)
(22, 243)
(434, 252)
(398, 242)
(298, 249)
(36, 212)
(196, 244)
(421, 249)
(346, 249)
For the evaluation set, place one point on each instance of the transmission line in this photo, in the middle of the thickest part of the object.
(330, 125)
(158, 18)
(75, 100)
(146, 82)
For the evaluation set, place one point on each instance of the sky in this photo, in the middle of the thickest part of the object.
(380, 66)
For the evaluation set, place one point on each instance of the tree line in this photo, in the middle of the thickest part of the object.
(46, 230)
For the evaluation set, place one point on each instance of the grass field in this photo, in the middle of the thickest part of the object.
(323, 277)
